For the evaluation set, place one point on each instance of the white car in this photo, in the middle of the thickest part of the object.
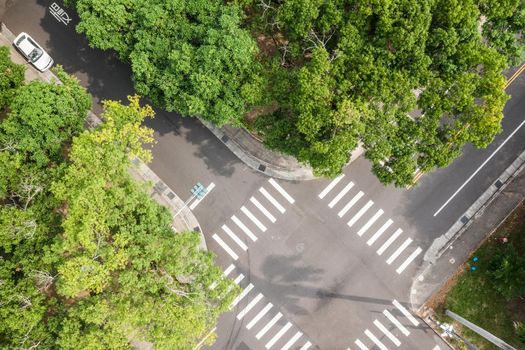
(34, 54)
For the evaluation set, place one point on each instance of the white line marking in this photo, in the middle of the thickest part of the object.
(436, 347)
(360, 213)
(234, 237)
(396, 323)
(412, 256)
(253, 218)
(389, 241)
(360, 344)
(405, 312)
(278, 335)
(292, 341)
(370, 222)
(228, 270)
(242, 295)
(306, 346)
(259, 316)
(272, 200)
(480, 167)
(238, 279)
(375, 340)
(331, 185)
(399, 250)
(263, 209)
(282, 191)
(225, 247)
(387, 333)
(249, 306)
(243, 227)
(209, 188)
(379, 232)
(350, 204)
(341, 194)
(268, 325)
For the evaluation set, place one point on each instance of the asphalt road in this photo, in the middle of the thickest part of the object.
(310, 266)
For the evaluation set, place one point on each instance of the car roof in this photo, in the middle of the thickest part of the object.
(27, 44)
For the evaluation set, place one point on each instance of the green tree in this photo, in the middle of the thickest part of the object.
(11, 77)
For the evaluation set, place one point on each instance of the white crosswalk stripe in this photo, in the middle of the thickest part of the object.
(278, 336)
(281, 191)
(292, 341)
(370, 222)
(341, 194)
(331, 185)
(389, 241)
(263, 209)
(306, 346)
(412, 256)
(228, 270)
(399, 250)
(360, 213)
(405, 312)
(238, 279)
(250, 306)
(261, 313)
(272, 200)
(360, 344)
(225, 247)
(244, 229)
(376, 341)
(234, 237)
(253, 219)
(349, 205)
(379, 232)
(387, 333)
(398, 324)
(242, 295)
(269, 325)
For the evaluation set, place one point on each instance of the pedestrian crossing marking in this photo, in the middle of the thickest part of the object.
(330, 186)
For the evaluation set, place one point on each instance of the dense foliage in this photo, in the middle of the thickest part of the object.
(87, 259)
(412, 80)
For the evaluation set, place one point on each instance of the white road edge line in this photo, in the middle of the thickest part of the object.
(306, 346)
(396, 323)
(370, 222)
(263, 209)
(259, 316)
(281, 191)
(399, 250)
(241, 296)
(360, 213)
(250, 306)
(272, 200)
(208, 190)
(331, 185)
(379, 232)
(278, 335)
(340, 195)
(376, 341)
(243, 227)
(412, 256)
(254, 219)
(349, 205)
(389, 241)
(292, 340)
(234, 237)
(268, 325)
(405, 312)
(387, 333)
(360, 344)
(225, 247)
(480, 167)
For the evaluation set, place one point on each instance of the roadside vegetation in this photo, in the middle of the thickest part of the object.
(87, 259)
(493, 294)
(413, 81)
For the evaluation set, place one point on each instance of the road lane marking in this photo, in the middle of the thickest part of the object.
(306, 346)
(379, 232)
(412, 256)
(268, 325)
(243, 227)
(341, 194)
(331, 185)
(281, 191)
(253, 218)
(360, 344)
(292, 341)
(278, 335)
(250, 306)
(241, 296)
(370, 222)
(349, 205)
(259, 316)
(399, 250)
(376, 341)
(405, 312)
(263, 209)
(396, 323)
(198, 200)
(225, 247)
(228, 270)
(389, 241)
(387, 333)
(479, 168)
(272, 200)
(234, 237)
(360, 213)
(238, 279)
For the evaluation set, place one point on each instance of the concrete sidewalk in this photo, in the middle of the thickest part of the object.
(160, 192)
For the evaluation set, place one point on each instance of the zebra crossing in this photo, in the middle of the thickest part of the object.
(263, 318)
(262, 209)
(369, 222)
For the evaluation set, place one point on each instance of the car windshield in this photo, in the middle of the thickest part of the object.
(35, 54)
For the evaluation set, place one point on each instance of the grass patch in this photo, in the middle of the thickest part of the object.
(493, 295)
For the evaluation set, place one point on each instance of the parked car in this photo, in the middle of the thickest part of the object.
(33, 52)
